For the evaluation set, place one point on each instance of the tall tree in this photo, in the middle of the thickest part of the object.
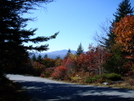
(80, 50)
(116, 61)
(124, 30)
(123, 9)
(13, 34)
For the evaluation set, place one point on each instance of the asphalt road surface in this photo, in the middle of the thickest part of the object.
(41, 89)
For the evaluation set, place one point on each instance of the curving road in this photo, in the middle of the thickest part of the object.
(40, 89)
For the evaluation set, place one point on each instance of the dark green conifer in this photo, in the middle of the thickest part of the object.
(13, 34)
(123, 9)
(68, 53)
(80, 50)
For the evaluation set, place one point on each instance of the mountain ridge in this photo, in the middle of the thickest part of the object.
(53, 54)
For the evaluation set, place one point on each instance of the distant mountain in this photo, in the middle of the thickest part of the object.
(53, 54)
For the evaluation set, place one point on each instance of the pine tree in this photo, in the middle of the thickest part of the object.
(34, 58)
(39, 58)
(79, 50)
(13, 34)
(68, 53)
(115, 62)
(123, 9)
(45, 56)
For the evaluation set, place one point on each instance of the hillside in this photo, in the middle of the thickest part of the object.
(53, 54)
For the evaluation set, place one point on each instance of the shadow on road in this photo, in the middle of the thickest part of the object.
(41, 91)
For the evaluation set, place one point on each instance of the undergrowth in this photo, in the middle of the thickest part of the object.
(10, 91)
(104, 78)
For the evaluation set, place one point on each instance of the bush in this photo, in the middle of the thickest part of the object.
(48, 72)
(38, 68)
(104, 78)
(92, 79)
(111, 77)
(59, 72)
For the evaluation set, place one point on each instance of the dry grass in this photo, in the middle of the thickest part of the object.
(126, 83)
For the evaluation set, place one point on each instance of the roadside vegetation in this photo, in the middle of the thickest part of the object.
(111, 63)
(10, 91)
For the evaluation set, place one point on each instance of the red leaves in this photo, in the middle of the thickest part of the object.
(59, 72)
(91, 60)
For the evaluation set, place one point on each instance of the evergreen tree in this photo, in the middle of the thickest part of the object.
(79, 50)
(13, 34)
(68, 53)
(123, 9)
(45, 56)
(116, 61)
(57, 57)
(34, 58)
(39, 58)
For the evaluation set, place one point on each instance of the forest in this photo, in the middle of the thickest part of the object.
(111, 60)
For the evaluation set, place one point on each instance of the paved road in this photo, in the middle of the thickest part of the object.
(41, 89)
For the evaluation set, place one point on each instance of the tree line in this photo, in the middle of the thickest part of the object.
(114, 54)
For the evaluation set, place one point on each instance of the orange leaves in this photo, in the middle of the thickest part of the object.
(38, 65)
(124, 31)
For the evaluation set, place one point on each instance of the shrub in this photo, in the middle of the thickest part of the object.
(111, 76)
(92, 79)
(103, 78)
(59, 72)
(38, 68)
(48, 72)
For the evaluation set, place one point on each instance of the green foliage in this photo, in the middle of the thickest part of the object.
(79, 50)
(45, 56)
(103, 77)
(92, 79)
(115, 61)
(34, 58)
(68, 53)
(13, 34)
(39, 58)
(123, 9)
(47, 62)
(48, 72)
(111, 77)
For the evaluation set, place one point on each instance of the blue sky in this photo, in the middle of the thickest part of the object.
(76, 20)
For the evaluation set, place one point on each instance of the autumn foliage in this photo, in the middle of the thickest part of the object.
(92, 60)
(47, 62)
(38, 68)
(124, 31)
(59, 72)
